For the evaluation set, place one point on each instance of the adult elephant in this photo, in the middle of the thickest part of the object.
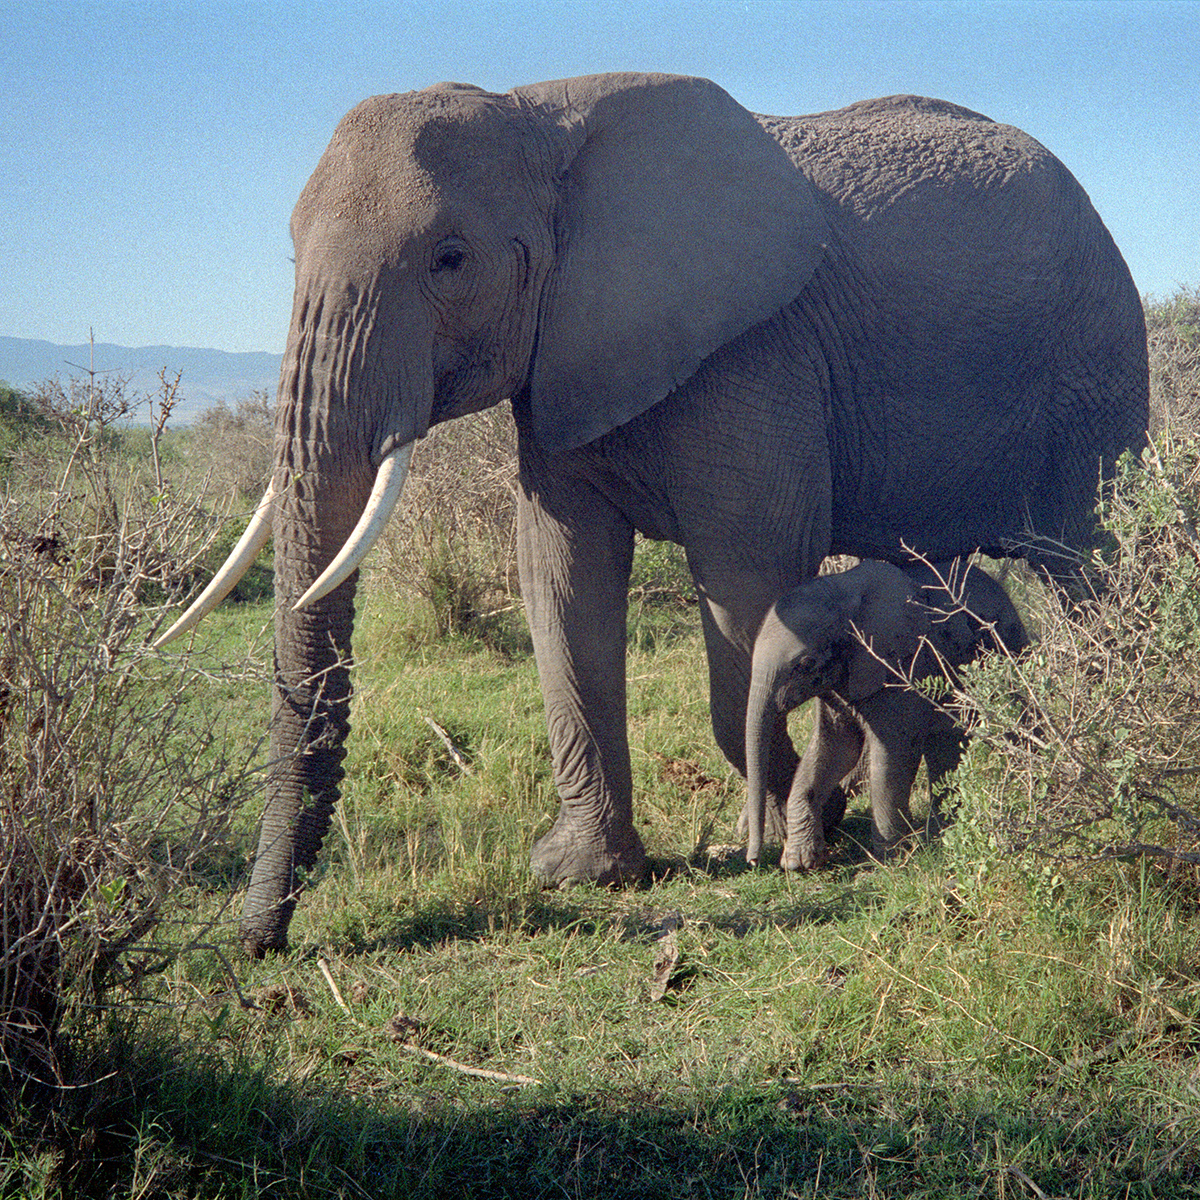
(766, 339)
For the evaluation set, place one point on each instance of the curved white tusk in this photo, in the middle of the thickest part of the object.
(385, 495)
(236, 565)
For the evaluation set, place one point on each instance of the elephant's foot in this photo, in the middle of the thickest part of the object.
(774, 820)
(804, 854)
(574, 853)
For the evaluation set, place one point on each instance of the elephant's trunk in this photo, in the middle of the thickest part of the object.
(309, 723)
(761, 717)
(324, 524)
(311, 695)
(310, 711)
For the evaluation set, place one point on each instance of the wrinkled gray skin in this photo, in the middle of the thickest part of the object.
(766, 339)
(849, 640)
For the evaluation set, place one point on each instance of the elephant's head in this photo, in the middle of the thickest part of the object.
(970, 613)
(847, 634)
(579, 246)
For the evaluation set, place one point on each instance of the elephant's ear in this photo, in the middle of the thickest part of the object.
(681, 224)
(891, 616)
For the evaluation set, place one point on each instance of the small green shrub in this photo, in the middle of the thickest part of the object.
(660, 576)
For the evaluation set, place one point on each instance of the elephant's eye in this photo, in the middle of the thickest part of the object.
(448, 256)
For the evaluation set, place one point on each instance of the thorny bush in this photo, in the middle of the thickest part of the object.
(1088, 747)
(110, 789)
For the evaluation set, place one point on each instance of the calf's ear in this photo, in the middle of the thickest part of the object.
(889, 626)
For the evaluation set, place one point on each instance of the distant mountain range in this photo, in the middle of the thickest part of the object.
(209, 376)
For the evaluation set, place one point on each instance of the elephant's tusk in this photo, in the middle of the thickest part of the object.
(385, 495)
(236, 565)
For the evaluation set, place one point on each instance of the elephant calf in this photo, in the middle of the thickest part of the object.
(849, 640)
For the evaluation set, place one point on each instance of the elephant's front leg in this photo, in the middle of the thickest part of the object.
(895, 720)
(833, 750)
(574, 555)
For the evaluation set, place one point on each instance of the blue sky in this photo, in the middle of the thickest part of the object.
(150, 153)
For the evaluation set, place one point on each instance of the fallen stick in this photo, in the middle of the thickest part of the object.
(333, 987)
(442, 1060)
(455, 753)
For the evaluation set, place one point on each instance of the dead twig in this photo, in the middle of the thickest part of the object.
(478, 1072)
(1020, 1175)
(333, 987)
(455, 753)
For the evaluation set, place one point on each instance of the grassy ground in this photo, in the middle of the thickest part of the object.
(442, 1027)
(958, 1023)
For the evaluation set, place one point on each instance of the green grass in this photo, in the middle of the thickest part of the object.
(961, 1022)
(862, 1031)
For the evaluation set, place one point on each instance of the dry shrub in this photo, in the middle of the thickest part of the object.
(111, 787)
(235, 446)
(1088, 747)
(453, 543)
(1173, 336)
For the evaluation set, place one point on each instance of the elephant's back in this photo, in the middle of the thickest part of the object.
(992, 311)
(905, 165)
